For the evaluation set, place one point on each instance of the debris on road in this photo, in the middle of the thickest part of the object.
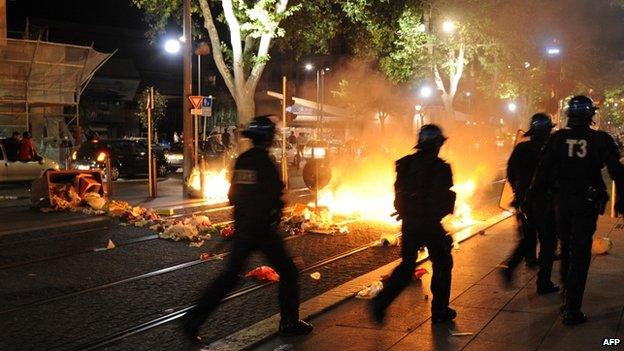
(263, 273)
(370, 291)
(315, 275)
(110, 245)
(227, 232)
(601, 245)
(419, 272)
(458, 333)
(388, 240)
(204, 256)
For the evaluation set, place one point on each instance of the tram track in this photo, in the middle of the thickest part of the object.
(172, 316)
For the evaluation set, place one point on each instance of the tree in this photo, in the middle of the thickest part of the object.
(158, 114)
(252, 25)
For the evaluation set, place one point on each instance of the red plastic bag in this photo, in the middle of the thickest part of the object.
(264, 273)
(419, 272)
(227, 232)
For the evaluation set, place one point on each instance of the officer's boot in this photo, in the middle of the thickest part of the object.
(574, 317)
(444, 316)
(298, 327)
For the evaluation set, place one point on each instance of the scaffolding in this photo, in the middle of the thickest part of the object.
(37, 74)
(41, 80)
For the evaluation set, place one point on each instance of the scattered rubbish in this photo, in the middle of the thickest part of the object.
(285, 347)
(196, 243)
(110, 245)
(389, 240)
(601, 245)
(458, 333)
(204, 256)
(315, 275)
(227, 232)
(165, 211)
(370, 291)
(419, 272)
(263, 273)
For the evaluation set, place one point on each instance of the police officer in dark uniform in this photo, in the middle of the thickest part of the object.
(422, 198)
(534, 218)
(256, 193)
(571, 168)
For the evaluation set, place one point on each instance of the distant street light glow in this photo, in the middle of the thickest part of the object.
(422, 28)
(172, 46)
(512, 107)
(553, 51)
(309, 67)
(448, 26)
(426, 92)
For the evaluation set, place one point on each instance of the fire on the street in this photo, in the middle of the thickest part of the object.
(216, 184)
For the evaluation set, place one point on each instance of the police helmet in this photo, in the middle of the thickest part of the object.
(541, 123)
(261, 130)
(430, 136)
(581, 109)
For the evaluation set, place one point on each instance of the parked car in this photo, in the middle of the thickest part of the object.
(275, 151)
(175, 157)
(15, 171)
(128, 157)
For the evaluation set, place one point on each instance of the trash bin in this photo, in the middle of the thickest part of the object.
(82, 181)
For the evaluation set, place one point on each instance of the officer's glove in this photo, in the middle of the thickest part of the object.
(619, 206)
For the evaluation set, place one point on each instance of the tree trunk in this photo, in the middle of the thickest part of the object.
(245, 108)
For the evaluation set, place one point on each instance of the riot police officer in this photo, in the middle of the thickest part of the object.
(534, 218)
(571, 168)
(422, 198)
(255, 192)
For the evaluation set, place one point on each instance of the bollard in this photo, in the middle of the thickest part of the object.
(109, 180)
(153, 179)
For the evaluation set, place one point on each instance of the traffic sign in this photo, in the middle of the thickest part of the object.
(206, 101)
(206, 111)
(196, 111)
(196, 101)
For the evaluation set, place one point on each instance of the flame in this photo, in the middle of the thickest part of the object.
(216, 184)
(462, 217)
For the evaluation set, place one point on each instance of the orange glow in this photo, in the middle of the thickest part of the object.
(216, 184)
(101, 157)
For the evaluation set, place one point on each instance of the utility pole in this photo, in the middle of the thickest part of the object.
(187, 122)
(284, 156)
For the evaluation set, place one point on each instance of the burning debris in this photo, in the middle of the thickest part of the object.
(215, 184)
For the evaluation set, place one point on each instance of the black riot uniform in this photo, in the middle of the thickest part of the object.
(422, 198)
(571, 168)
(255, 192)
(535, 217)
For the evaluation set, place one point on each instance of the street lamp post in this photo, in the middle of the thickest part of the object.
(187, 122)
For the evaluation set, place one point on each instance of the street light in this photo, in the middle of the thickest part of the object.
(449, 26)
(172, 46)
(426, 92)
(422, 28)
(512, 107)
(309, 67)
(553, 51)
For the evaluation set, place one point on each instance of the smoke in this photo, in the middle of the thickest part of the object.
(383, 129)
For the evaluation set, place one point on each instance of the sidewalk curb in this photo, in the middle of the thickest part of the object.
(256, 334)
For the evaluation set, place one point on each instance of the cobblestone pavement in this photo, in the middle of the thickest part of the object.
(69, 322)
(99, 313)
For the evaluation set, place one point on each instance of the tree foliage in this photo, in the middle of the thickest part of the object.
(159, 112)
(250, 26)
